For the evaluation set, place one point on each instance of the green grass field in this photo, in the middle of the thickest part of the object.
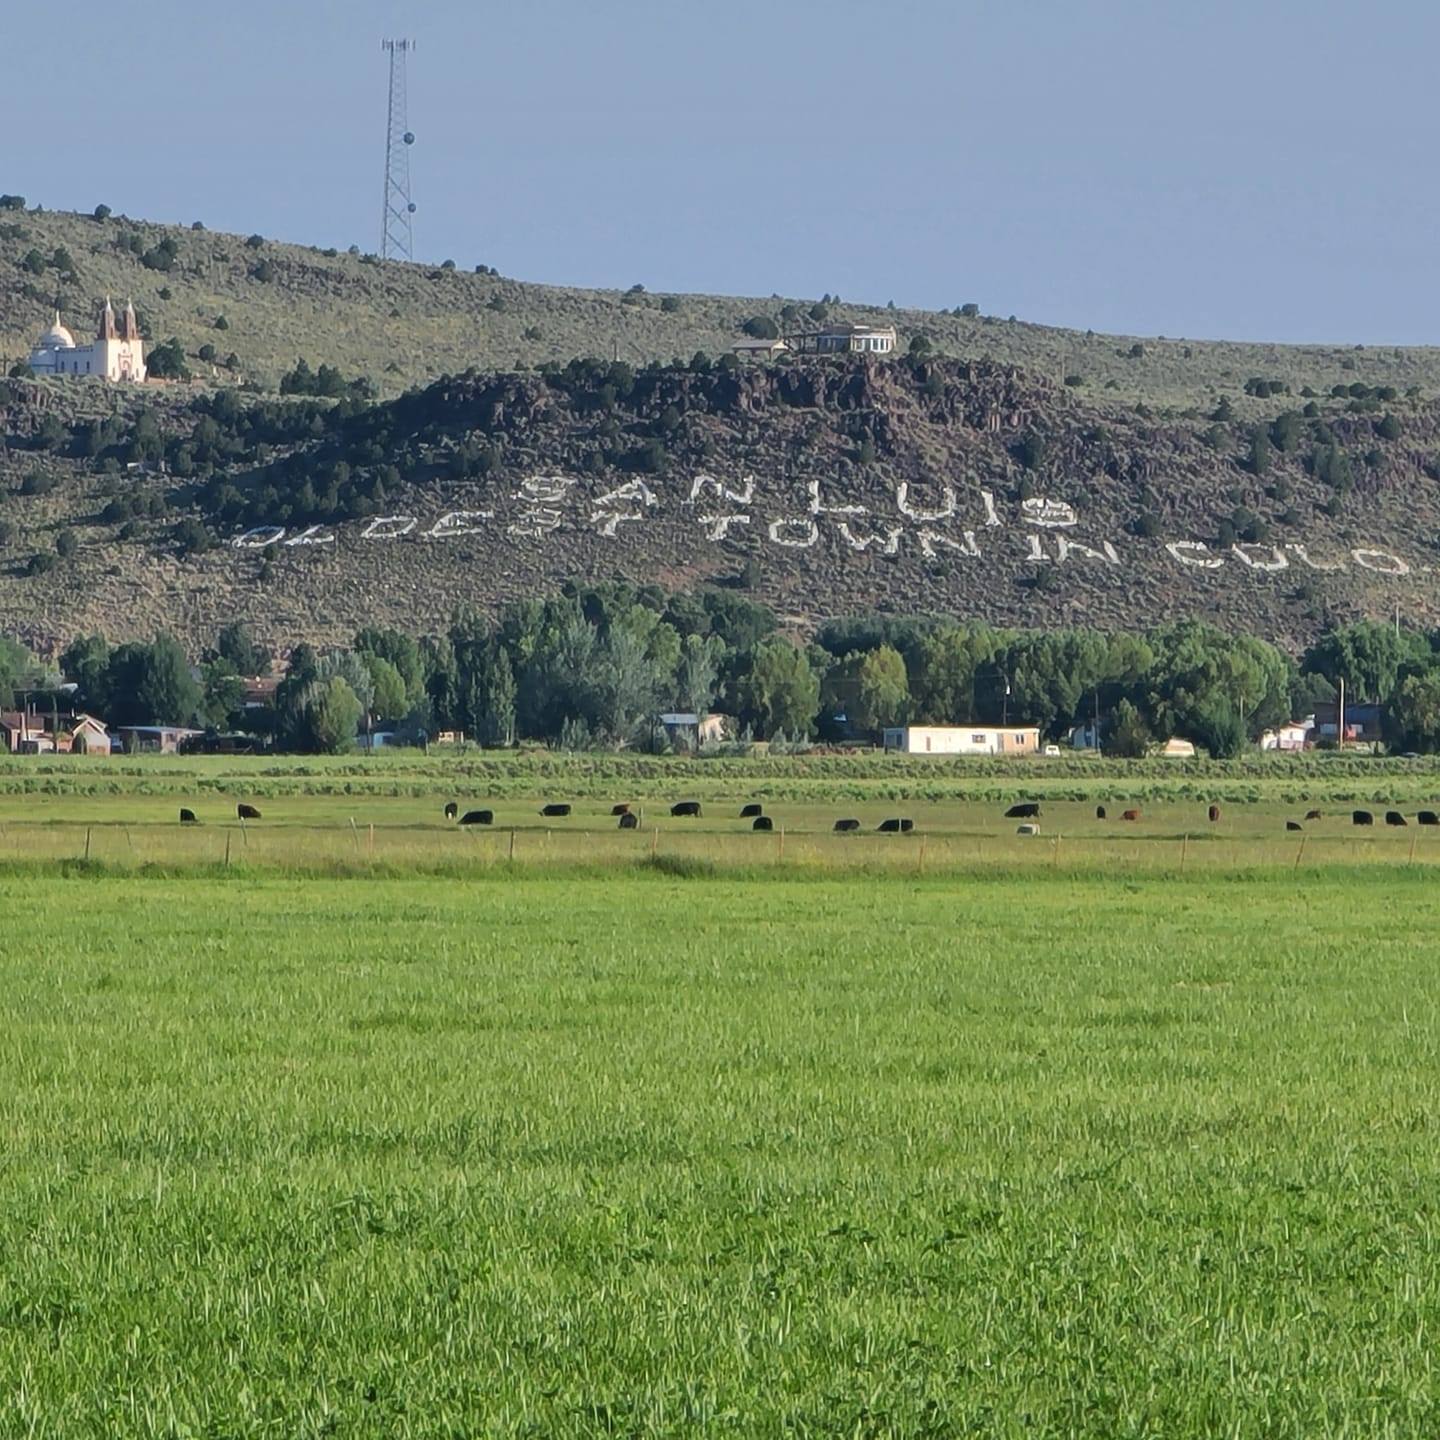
(420, 1142)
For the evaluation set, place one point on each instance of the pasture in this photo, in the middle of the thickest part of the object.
(669, 1133)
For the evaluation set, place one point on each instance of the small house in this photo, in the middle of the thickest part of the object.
(153, 739)
(847, 340)
(962, 739)
(1293, 735)
(685, 730)
(1176, 749)
(759, 349)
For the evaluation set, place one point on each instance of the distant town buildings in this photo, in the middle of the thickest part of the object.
(117, 354)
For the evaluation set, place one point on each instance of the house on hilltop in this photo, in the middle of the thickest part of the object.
(845, 339)
(117, 354)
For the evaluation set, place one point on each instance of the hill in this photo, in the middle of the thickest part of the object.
(970, 479)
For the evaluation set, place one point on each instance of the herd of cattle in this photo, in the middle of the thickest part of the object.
(1027, 811)
(681, 810)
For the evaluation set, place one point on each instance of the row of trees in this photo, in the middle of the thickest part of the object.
(594, 666)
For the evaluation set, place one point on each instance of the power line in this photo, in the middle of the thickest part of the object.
(396, 240)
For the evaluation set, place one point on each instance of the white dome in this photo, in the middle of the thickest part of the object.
(57, 337)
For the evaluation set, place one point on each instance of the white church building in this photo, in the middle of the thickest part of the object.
(118, 352)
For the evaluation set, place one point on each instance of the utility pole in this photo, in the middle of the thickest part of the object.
(396, 240)
(1340, 717)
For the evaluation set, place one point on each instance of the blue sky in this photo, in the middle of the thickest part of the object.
(1250, 171)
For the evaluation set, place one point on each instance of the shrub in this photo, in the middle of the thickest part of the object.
(167, 361)
(1074, 381)
(1137, 350)
(761, 327)
(34, 262)
(921, 345)
(101, 212)
(447, 264)
(37, 483)
(1388, 428)
(66, 544)
(670, 304)
(191, 537)
(12, 202)
(206, 352)
(970, 310)
(254, 242)
(221, 323)
(264, 272)
(41, 563)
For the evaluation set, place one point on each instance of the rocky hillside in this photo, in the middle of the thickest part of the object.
(975, 487)
(266, 304)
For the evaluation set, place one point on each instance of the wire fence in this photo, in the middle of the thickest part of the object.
(392, 848)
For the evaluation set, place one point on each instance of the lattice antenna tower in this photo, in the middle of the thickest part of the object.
(396, 240)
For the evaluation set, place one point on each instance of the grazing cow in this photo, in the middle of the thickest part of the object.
(451, 810)
(749, 812)
(187, 817)
(1314, 815)
(620, 809)
(1394, 817)
(1427, 817)
(1214, 813)
(1293, 825)
(1029, 828)
(247, 812)
(478, 817)
(896, 827)
(1029, 810)
(555, 812)
(1099, 812)
(1362, 817)
(762, 822)
(844, 827)
(629, 821)
(689, 808)
(1131, 815)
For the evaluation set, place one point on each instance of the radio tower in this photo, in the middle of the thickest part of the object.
(395, 236)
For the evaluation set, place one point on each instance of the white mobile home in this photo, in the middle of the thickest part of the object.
(963, 739)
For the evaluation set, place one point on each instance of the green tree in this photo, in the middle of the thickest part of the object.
(1126, 736)
(498, 693)
(235, 645)
(1367, 656)
(944, 670)
(882, 689)
(332, 717)
(778, 690)
(222, 694)
(1413, 721)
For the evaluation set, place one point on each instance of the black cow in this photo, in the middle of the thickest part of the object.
(629, 821)
(1394, 817)
(451, 810)
(1427, 817)
(1362, 817)
(1314, 815)
(896, 827)
(1029, 810)
(621, 809)
(478, 817)
(686, 807)
(1214, 813)
(843, 827)
(762, 822)
(1293, 825)
(1099, 812)
(187, 817)
(749, 812)
(555, 812)
(247, 812)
